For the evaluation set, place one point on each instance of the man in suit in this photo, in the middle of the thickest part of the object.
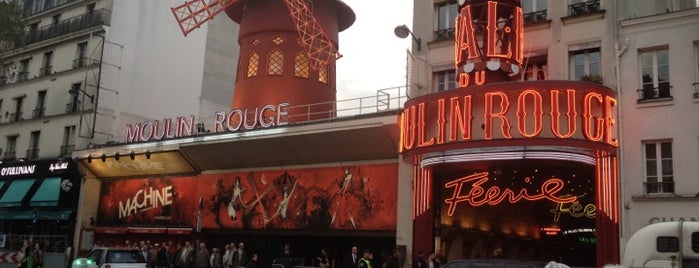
(352, 259)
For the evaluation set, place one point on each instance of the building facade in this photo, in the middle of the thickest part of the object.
(645, 51)
(84, 68)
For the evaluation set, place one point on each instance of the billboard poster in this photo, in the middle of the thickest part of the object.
(361, 197)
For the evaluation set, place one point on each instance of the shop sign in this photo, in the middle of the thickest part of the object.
(18, 170)
(664, 219)
(265, 117)
(575, 210)
(39, 168)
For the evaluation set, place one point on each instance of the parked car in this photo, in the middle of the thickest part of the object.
(111, 258)
(493, 263)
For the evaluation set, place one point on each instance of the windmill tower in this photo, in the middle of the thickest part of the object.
(288, 50)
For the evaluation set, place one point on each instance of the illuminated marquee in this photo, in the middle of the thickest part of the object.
(488, 38)
(524, 111)
(232, 121)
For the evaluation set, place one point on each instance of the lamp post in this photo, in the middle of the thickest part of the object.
(403, 31)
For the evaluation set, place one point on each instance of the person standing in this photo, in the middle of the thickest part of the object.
(286, 252)
(351, 259)
(365, 261)
(37, 256)
(323, 260)
(419, 261)
(240, 256)
(23, 255)
(253, 261)
(216, 261)
(184, 256)
(394, 260)
(161, 257)
(202, 256)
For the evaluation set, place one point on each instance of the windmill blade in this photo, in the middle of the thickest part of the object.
(194, 13)
(319, 48)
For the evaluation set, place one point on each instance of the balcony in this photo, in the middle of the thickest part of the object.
(587, 7)
(662, 187)
(72, 107)
(47, 5)
(32, 154)
(9, 155)
(535, 17)
(67, 150)
(655, 93)
(696, 90)
(79, 62)
(74, 24)
(22, 76)
(16, 117)
(444, 34)
(46, 71)
(38, 112)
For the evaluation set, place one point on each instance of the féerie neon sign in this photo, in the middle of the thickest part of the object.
(477, 195)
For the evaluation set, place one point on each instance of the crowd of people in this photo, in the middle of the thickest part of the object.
(30, 256)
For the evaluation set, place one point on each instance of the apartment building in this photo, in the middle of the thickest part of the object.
(645, 51)
(84, 70)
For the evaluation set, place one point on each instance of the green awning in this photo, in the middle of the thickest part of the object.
(38, 215)
(2, 183)
(47, 194)
(15, 192)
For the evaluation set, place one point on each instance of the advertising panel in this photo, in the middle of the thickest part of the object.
(359, 197)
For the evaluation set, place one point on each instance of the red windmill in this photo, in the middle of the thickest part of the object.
(288, 48)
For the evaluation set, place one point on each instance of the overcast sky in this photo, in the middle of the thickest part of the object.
(373, 57)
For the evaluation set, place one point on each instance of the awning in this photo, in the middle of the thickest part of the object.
(111, 230)
(179, 231)
(47, 194)
(146, 230)
(15, 192)
(35, 215)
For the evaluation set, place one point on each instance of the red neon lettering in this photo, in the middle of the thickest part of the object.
(460, 118)
(466, 47)
(522, 113)
(421, 142)
(464, 79)
(409, 123)
(479, 78)
(493, 35)
(556, 113)
(609, 120)
(590, 123)
(477, 195)
(489, 114)
(441, 122)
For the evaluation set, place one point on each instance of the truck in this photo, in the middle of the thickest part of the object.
(664, 244)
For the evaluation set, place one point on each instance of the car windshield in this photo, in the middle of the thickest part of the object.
(125, 256)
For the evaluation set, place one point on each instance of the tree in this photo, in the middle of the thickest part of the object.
(11, 25)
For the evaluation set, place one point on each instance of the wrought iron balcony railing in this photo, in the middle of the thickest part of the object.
(444, 34)
(9, 155)
(32, 153)
(77, 23)
(79, 62)
(41, 6)
(583, 8)
(22, 76)
(38, 112)
(67, 150)
(654, 93)
(46, 70)
(16, 117)
(659, 187)
(535, 17)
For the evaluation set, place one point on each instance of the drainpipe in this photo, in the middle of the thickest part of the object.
(618, 52)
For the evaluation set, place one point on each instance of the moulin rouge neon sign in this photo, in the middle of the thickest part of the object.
(477, 195)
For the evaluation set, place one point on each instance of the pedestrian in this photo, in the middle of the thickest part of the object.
(286, 252)
(240, 256)
(184, 258)
(202, 256)
(419, 261)
(161, 256)
(350, 261)
(323, 260)
(215, 260)
(253, 261)
(23, 255)
(394, 260)
(365, 261)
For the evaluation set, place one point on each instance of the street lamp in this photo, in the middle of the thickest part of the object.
(403, 31)
(74, 91)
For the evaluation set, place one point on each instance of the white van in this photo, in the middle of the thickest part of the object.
(664, 244)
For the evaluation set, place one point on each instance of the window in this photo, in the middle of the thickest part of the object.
(444, 80)
(275, 63)
(5, 74)
(33, 151)
(584, 64)
(535, 68)
(658, 167)
(695, 235)
(668, 244)
(655, 74)
(696, 67)
(446, 19)
(17, 114)
(534, 11)
(40, 105)
(23, 73)
(68, 143)
(323, 74)
(253, 64)
(301, 65)
(90, 8)
(80, 56)
(56, 19)
(10, 153)
(46, 69)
